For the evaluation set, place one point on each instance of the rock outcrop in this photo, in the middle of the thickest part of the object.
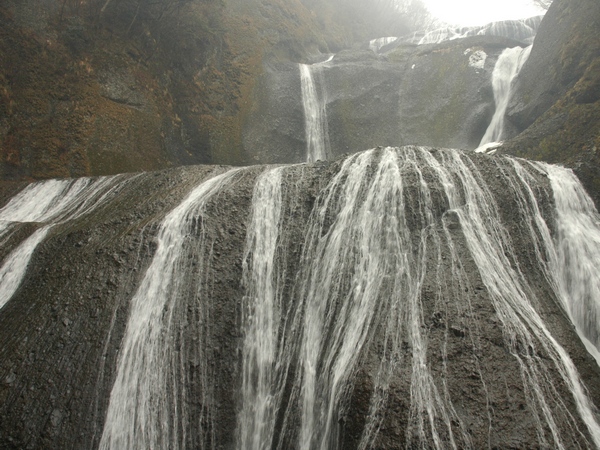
(556, 100)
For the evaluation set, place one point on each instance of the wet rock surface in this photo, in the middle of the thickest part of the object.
(566, 45)
(555, 105)
(61, 333)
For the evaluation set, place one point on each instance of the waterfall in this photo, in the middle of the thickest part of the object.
(524, 328)
(522, 30)
(315, 115)
(507, 67)
(412, 297)
(376, 252)
(148, 402)
(47, 203)
(377, 44)
(261, 391)
(577, 254)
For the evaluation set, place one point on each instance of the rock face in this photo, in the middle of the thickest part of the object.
(392, 299)
(567, 44)
(437, 95)
(556, 100)
(111, 87)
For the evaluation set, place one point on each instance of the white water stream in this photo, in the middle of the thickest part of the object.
(524, 329)
(574, 254)
(315, 115)
(507, 67)
(148, 406)
(522, 30)
(47, 203)
(262, 389)
(365, 262)
(377, 44)
(388, 233)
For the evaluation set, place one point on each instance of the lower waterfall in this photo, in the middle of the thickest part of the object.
(364, 267)
(147, 406)
(577, 254)
(49, 203)
(394, 298)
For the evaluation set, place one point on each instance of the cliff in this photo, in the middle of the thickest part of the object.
(556, 100)
(437, 94)
(91, 90)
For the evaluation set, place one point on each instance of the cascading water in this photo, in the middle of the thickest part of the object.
(405, 298)
(261, 388)
(148, 402)
(315, 115)
(576, 252)
(522, 30)
(524, 328)
(375, 251)
(507, 68)
(48, 203)
(377, 44)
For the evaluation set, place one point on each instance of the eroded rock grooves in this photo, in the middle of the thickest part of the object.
(395, 298)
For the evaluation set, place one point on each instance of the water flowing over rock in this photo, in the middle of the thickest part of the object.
(376, 44)
(151, 354)
(523, 30)
(314, 100)
(45, 203)
(438, 95)
(407, 297)
(506, 70)
(555, 109)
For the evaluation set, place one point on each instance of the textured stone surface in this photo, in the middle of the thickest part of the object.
(61, 333)
(556, 100)
(567, 43)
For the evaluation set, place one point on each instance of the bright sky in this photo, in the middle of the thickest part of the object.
(480, 12)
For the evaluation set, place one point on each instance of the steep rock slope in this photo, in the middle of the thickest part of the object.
(556, 99)
(409, 307)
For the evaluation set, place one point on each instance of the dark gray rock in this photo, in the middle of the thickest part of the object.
(56, 379)
(566, 43)
(121, 87)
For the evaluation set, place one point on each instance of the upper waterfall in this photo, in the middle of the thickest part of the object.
(315, 113)
(523, 30)
(376, 44)
(506, 69)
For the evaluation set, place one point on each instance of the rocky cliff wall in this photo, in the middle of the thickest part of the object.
(92, 90)
(556, 101)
